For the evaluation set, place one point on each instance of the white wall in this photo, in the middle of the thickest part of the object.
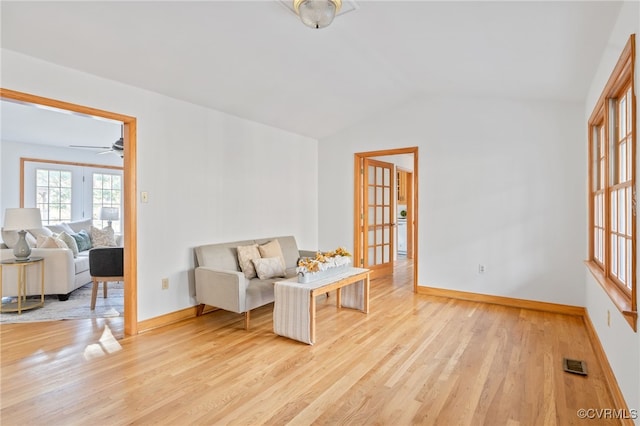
(501, 183)
(620, 342)
(211, 177)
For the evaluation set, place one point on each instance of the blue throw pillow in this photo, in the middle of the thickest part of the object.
(83, 240)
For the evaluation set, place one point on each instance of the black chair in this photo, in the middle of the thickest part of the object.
(105, 264)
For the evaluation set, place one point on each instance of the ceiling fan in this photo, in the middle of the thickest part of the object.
(117, 147)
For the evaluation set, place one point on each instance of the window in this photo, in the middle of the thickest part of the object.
(612, 215)
(67, 192)
(53, 189)
(107, 192)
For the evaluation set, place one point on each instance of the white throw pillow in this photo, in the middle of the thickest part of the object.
(246, 254)
(60, 227)
(70, 242)
(102, 237)
(80, 225)
(10, 238)
(269, 267)
(272, 249)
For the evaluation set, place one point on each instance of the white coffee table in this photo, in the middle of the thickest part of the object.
(294, 311)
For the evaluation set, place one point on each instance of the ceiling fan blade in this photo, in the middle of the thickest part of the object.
(117, 147)
(89, 146)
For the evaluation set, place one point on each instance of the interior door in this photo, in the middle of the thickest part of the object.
(378, 216)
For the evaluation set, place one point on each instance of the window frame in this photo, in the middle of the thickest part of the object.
(95, 206)
(46, 211)
(602, 117)
(79, 210)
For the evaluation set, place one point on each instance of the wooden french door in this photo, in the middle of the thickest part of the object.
(378, 216)
(368, 235)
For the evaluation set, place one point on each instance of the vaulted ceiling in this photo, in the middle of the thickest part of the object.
(256, 60)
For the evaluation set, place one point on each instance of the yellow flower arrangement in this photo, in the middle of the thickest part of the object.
(324, 260)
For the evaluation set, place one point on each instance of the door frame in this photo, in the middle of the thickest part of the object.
(358, 197)
(384, 268)
(410, 215)
(129, 196)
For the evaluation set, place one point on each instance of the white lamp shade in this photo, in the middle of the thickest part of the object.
(22, 219)
(109, 213)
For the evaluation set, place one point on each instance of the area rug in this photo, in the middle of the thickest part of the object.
(78, 306)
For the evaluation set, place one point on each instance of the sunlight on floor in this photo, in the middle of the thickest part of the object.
(106, 345)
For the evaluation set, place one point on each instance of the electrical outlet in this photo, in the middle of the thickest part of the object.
(165, 283)
(481, 269)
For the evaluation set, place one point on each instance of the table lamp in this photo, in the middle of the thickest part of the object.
(20, 220)
(109, 213)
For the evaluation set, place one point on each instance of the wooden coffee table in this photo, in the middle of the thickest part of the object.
(294, 312)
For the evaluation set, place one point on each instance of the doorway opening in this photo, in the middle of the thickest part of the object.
(404, 209)
(129, 208)
(386, 198)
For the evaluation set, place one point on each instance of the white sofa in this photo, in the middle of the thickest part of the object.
(63, 272)
(221, 283)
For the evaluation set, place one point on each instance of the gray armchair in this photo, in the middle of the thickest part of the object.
(105, 264)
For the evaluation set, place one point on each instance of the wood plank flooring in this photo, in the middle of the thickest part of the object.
(414, 359)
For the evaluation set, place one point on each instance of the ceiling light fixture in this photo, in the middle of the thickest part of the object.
(317, 13)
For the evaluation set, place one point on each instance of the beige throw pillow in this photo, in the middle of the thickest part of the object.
(246, 254)
(269, 267)
(102, 237)
(272, 249)
(45, 232)
(50, 242)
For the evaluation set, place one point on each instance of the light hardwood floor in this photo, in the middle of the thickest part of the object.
(414, 359)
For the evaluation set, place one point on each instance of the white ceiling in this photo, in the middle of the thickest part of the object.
(254, 59)
(44, 126)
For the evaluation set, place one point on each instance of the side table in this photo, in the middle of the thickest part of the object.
(22, 302)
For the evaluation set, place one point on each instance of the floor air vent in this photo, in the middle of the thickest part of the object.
(574, 366)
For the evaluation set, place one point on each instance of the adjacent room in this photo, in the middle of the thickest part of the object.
(66, 166)
(457, 179)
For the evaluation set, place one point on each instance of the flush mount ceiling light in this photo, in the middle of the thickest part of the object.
(317, 13)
